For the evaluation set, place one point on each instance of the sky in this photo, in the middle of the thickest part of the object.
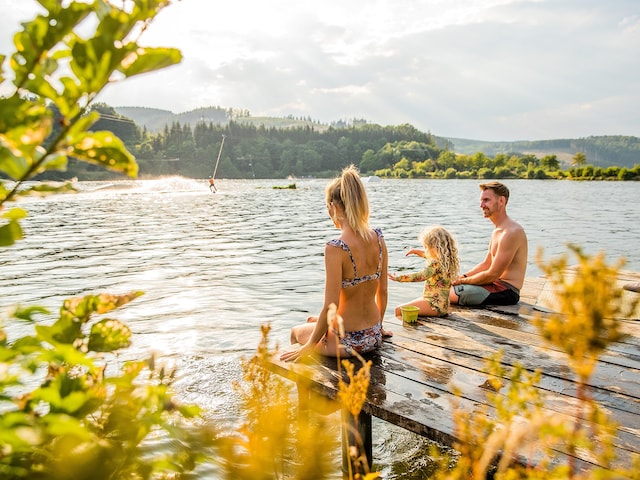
(495, 70)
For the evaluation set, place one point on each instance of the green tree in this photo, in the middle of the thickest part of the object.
(447, 160)
(626, 174)
(124, 128)
(530, 159)
(63, 413)
(480, 161)
(49, 52)
(403, 165)
(500, 160)
(579, 159)
(368, 163)
(550, 162)
(486, 173)
(587, 171)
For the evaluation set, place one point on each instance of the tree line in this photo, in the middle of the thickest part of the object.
(449, 165)
(257, 152)
(604, 150)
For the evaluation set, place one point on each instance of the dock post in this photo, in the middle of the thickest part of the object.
(356, 434)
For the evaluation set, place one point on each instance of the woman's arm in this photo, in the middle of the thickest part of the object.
(382, 294)
(333, 283)
(332, 286)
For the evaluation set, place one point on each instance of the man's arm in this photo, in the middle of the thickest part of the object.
(507, 246)
(482, 266)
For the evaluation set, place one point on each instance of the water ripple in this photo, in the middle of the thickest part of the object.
(216, 267)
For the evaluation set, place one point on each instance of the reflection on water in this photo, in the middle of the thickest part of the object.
(215, 267)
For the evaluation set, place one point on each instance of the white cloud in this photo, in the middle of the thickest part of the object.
(492, 69)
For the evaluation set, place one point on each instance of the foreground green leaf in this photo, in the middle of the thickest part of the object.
(109, 335)
(107, 150)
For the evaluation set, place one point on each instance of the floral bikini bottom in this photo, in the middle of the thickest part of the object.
(363, 341)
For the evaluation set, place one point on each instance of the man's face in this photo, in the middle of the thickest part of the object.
(489, 202)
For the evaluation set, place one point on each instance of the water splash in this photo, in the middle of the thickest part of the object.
(173, 184)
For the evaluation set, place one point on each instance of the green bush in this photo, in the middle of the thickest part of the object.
(64, 413)
(485, 172)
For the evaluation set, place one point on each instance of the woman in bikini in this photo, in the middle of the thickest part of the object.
(355, 278)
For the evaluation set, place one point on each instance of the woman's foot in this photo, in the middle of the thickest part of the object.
(386, 333)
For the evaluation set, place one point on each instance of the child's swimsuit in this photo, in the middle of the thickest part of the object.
(436, 285)
(367, 340)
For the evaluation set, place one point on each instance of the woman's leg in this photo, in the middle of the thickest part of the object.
(329, 346)
(301, 333)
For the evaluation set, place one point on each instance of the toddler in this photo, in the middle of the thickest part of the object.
(441, 253)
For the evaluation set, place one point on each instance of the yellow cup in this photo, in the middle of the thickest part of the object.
(410, 313)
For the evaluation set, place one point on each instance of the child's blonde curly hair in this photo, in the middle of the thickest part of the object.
(439, 241)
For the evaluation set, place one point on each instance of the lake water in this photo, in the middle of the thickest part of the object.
(216, 267)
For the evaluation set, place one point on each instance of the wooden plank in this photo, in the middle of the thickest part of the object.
(421, 410)
(541, 293)
(398, 396)
(456, 334)
(436, 367)
(464, 370)
(531, 289)
(416, 377)
(625, 353)
(521, 316)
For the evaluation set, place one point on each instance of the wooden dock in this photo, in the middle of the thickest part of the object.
(427, 367)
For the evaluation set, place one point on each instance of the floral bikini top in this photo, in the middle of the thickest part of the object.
(352, 282)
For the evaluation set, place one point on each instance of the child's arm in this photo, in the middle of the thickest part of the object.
(415, 251)
(409, 277)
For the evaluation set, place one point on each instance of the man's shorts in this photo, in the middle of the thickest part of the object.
(496, 293)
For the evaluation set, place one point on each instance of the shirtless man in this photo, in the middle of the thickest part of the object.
(497, 280)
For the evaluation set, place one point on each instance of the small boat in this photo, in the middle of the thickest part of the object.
(371, 179)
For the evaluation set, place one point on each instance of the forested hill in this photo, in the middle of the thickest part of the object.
(266, 147)
(604, 151)
(154, 119)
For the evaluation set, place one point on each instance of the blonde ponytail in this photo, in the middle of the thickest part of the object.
(348, 191)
